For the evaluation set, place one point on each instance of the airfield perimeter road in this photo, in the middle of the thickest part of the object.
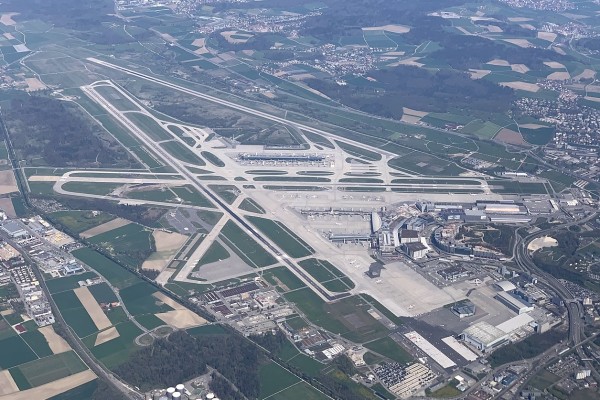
(194, 181)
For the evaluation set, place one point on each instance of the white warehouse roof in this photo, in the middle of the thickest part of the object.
(484, 333)
(506, 286)
(515, 323)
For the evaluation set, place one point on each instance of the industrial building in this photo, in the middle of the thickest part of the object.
(484, 336)
(14, 229)
(454, 273)
(512, 302)
(409, 236)
(505, 286)
(415, 250)
(463, 309)
(282, 157)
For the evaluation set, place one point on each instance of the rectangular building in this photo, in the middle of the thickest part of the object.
(518, 306)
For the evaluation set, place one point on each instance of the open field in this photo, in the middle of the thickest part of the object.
(274, 379)
(7, 383)
(74, 313)
(113, 272)
(14, 352)
(106, 335)
(130, 244)
(93, 308)
(8, 184)
(57, 343)
(167, 244)
(181, 319)
(116, 351)
(139, 299)
(68, 282)
(80, 221)
(49, 369)
(245, 247)
(109, 225)
(282, 236)
(389, 348)
(252, 206)
(54, 388)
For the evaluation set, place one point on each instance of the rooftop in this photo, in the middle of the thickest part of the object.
(484, 332)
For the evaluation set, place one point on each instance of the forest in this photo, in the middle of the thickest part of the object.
(152, 366)
(47, 131)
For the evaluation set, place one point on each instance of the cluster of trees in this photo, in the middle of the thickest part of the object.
(143, 215)
(234, 357)
(60, 134)
(226, 391)
(589, 43)
(419, 89)
(528, 348)
(556, 260)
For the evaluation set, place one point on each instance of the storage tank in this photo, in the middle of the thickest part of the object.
(176, 396)
(210, 396)
(180, 388)
(170, 392)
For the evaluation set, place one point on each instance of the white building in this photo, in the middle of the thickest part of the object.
(484, 336)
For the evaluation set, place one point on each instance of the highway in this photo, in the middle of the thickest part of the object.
(194, 181)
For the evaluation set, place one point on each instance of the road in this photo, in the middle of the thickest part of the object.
(179, 166)
(73, 340)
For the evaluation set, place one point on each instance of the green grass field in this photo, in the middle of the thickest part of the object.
(359, 151)
(273, 379)
(348, 317)
(79, 221)
(149, 321)
(117, 351)
(227, 192)
(301, 391)
(103, 293)
(216, 252)
(149, 126)
(129, 244)
(116, 98)
(48, 369)
(37, 342)
(252, 206)
(138, 299)
(183, 153)
(74, 313)
(282, 236)
(68, 282)
(213, 159)
(14, 352)
(244, 246)
(388, 347)
(328, 275)
(113, 272)
(283, 278)
(98, 188)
